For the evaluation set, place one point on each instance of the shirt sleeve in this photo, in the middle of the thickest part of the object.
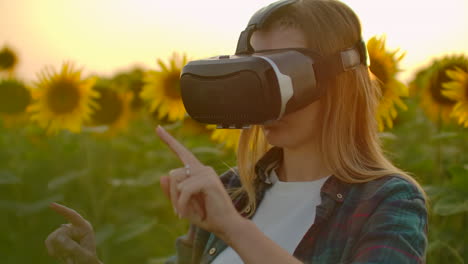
(185, 249)
(183, 253)
(397, 230)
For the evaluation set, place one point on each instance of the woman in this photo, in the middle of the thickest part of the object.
(312, 187)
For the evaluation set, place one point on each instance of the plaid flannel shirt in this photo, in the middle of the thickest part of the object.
(381, 221)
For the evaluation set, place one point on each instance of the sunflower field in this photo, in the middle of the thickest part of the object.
(88, 142)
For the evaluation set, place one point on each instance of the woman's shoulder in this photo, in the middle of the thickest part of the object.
(396, 186)
(392, 184)
(388, 217)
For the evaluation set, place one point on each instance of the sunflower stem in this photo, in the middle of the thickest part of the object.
(438, 157)
(87, 181)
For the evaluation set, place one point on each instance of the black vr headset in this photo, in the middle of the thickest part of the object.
(255, 87)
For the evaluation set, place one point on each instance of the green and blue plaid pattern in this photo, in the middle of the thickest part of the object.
(381, 221)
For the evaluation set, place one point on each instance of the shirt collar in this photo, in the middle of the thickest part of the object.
(270, 160)
(333, 187)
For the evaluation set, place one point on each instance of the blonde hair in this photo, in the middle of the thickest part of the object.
(349, 138)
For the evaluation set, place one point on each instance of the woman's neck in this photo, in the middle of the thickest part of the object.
(303, 163)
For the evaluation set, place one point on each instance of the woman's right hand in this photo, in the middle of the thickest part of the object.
(165, 182)
(73, 243)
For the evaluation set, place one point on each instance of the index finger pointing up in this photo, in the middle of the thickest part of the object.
(182, 152)
(69, 214)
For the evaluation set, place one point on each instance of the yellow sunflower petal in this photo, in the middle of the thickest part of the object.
(436, 88)
(63, 101)
(162, 89)
(457, 90)
(384, 67)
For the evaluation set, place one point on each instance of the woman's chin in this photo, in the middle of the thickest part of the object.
(275, 135)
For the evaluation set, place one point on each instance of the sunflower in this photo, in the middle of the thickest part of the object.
(162, 89)
(428, 84)
(384, 68)
(63, 100)
(15, 98)
(113, 108)
(457, 90)
(8, 59)
(228, 137)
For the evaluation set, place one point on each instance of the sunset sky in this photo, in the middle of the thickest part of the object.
(105, 36)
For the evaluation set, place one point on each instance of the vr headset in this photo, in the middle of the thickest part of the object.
(255, 87)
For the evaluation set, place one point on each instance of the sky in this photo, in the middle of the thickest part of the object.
(107, 36)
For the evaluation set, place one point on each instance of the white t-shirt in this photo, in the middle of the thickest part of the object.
(285, 214)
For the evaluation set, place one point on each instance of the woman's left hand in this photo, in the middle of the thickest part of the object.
(197, 193)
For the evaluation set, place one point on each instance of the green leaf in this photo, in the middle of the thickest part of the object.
(35, 207)
(450, 205)
(207, 150)
(104, 233)
(65, 178)
(387, 136)
(146, 178)
(22, 209)
(459, 171)
(459, 178)
(434, 192)
(7, 177)
(438, 244)
(444, 135)
(135, 229)
(9, 205)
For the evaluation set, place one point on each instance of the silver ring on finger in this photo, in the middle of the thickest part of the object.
(187, 170)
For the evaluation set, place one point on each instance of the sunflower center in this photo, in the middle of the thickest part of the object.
(380, 71)
(436, 87)
(63, 97)
(7, 59)
(14, 97)
(110, 107)
(171, 85)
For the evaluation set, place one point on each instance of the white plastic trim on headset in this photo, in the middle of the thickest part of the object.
(285, 85)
